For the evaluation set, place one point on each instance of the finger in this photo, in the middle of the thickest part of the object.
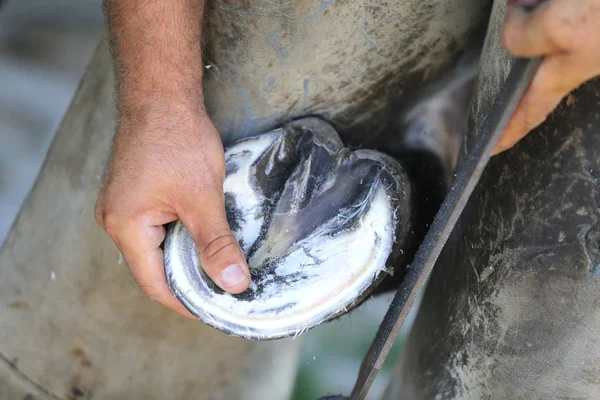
(531, 33)
(139, 242)
(220, 254)
(556, 77)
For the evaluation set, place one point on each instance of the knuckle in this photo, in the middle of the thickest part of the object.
(569, 27)
(219, 246)
(561, 37)
(509, 34)
(110, 221)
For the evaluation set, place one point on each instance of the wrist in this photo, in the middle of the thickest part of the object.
(157, 121)
(145, 106)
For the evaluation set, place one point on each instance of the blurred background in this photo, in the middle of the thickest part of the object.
(44, 49)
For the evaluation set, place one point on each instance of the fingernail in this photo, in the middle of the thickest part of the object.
(232, 276)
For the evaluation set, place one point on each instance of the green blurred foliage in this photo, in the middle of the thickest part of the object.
(333, 352)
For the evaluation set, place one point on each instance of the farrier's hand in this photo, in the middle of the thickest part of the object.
(567, 34)
(167, 164)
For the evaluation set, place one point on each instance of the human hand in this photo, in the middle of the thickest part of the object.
(168, 163)
(567, 34)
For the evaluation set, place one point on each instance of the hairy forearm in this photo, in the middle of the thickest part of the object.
(156, 49)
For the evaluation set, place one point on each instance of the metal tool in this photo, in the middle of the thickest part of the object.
(467, 177)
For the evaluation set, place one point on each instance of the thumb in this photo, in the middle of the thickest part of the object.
(220, 254)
